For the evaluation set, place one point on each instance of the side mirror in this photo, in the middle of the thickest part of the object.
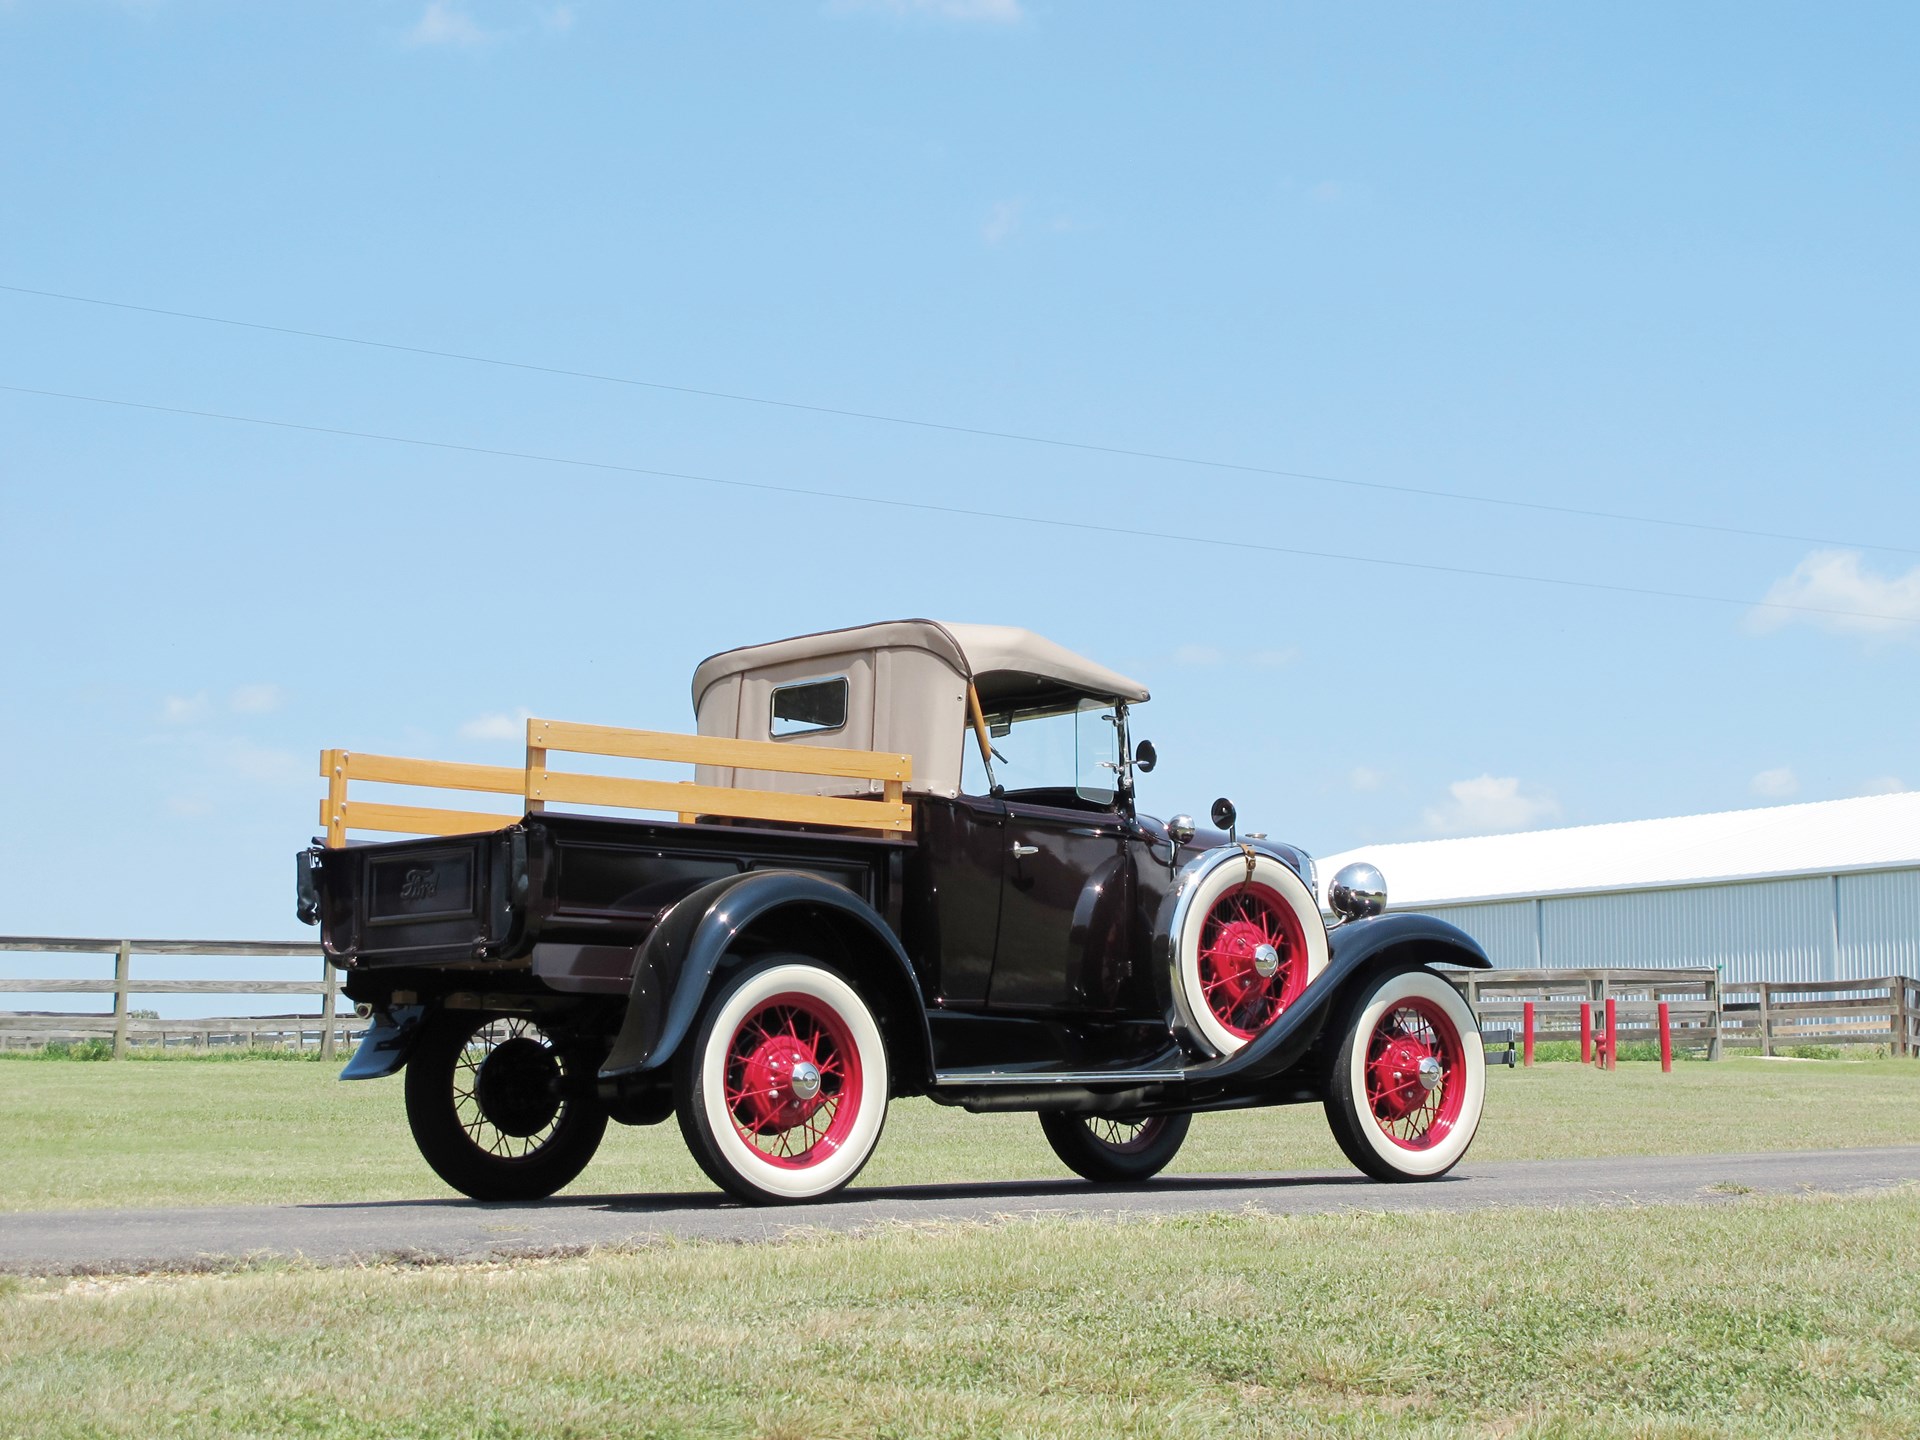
(1145, 757)
(1224, 814)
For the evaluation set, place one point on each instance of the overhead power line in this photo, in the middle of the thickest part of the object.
(1089, 447)
(967, 512)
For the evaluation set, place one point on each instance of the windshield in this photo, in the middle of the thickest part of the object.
(1056, 754)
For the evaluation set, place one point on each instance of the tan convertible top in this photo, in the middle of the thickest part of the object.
(907, 691)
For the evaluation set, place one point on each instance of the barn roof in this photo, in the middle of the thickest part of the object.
(1822, 837)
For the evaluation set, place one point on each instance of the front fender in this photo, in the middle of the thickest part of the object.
(1355, 948)
(675, 966)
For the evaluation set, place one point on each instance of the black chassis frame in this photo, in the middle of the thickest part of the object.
(615, 929)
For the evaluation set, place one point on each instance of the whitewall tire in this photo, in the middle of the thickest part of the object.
(783, 1083)
(1409, 1080)
(1247, 948)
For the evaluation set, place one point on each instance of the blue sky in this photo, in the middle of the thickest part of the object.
(1645, 259)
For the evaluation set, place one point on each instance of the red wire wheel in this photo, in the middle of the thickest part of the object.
(781, 1089)
(1415, 1074)
(793, 1081)
(1253, 958)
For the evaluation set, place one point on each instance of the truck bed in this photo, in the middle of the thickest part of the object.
(563, 897)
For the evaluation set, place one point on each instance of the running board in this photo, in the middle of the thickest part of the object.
(964, 1079)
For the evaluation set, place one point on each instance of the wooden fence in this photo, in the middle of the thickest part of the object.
(327, 1027)
(1763, 1014)
(1499, 999)
(1885, 1011)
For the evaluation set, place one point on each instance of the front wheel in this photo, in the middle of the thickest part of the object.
(783, 1085)
(501, 1109)
(1104, 1148)
(1405, 1094)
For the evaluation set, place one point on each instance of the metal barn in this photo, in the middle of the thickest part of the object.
(1822, 891)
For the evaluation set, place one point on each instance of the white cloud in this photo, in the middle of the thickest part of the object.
(445, 23)
(255, 699)
(1776, 784)
(1884, 785)
(184, 709)
(1489, 804)
(1272, 659)
(1002, 221)
(998, 12)
(1366, 779)
(1839, 580)
(497, 727)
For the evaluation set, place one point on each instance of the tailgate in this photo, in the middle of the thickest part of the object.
(412, 902)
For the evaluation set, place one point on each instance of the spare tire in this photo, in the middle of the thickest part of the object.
(1246, 940)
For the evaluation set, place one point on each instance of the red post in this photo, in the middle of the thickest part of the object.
(1526, 1033)
(1586, 1032)
(1666, 1040)
(1613, 1037)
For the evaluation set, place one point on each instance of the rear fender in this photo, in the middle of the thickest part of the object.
(1359, 950)
(676, 964)
(386, 1047)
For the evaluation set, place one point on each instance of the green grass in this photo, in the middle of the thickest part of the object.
(252, 1131)
(1743, 1318)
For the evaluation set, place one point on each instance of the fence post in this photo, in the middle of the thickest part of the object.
(122, 965)
(1666, 1039)
(1526, 1034)
(1713, 994)
(329, 990)
(1766, 1023)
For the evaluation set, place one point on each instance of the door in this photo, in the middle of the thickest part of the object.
(1066, 898)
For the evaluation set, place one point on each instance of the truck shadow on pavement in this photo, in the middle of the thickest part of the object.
(970, 1193)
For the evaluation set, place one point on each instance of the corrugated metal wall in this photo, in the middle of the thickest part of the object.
(1880, 924)
(1822, 927)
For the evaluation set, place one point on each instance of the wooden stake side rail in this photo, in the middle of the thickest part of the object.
(536, 785)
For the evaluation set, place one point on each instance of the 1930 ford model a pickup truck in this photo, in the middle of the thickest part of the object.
(910, 864)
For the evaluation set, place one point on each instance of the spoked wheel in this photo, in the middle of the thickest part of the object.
(1251, 942)
(1407, 1087)
(784, 1083)
(1253, 959)
(501, 1109)
(1115, 1149)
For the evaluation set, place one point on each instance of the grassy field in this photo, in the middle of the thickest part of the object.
(201, 1132)
(1750, 1317)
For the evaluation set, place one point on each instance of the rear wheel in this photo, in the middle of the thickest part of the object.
(783, 1084)
(1107, 1148)
(1408, 1083)
(501, 1108)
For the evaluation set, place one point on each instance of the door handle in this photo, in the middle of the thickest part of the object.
(1020, 852)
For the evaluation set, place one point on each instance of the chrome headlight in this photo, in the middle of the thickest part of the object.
(1357, 891)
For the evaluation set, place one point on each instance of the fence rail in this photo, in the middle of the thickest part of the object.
(1885, 1011)
(327, 1027)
